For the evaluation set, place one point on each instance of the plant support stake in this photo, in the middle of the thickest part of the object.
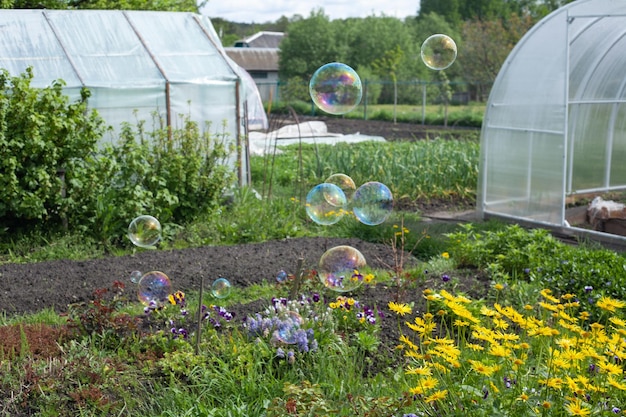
(199, 329)
(298, 279)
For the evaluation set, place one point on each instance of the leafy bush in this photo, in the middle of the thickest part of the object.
(44, 141)
(537, 256)
(175, 175)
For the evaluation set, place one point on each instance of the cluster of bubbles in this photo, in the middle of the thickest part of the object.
(339, 268)
(154, 287)
(336, 88)
(328, 202)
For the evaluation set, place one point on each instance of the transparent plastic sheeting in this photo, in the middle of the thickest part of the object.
(555, 123)
(135, 63)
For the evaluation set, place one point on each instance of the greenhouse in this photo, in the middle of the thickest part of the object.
(136, 64)
(554, 131)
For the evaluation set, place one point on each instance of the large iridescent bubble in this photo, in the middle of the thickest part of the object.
(344, 182)
(438, 52)
(335, 88)
(372, 203)
(154, 288)
(339, 268)
(326, 204)
(144, 231)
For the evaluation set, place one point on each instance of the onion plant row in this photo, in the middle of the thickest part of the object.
(422, 170)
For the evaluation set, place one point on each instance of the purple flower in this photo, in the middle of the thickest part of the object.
(316, 297)
(409, 415)
(280, 353)
(445, 278)
(291, 357)
(615, 410)
(588, 288)
(527, 271)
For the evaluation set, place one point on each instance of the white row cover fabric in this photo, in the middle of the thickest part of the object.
(136, 64)
(555, 121)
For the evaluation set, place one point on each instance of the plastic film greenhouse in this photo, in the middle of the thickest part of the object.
(136, 64)
(554, 133)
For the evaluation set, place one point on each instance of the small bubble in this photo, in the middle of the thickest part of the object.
(221, 288)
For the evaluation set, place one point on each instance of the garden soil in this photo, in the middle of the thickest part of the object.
(27, 288)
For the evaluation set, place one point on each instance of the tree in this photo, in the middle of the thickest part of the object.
(166, 5)
(309, 44)
(388, 64)
(486, 44)
(447, 9)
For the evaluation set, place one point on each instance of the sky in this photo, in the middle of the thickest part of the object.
(260, 11)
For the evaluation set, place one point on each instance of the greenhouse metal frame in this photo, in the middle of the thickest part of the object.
(555, 121)
(138, 65)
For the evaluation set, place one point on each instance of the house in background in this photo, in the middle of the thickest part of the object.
(258, 55)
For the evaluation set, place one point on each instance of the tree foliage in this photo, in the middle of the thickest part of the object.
(165, 5)
(486, 44)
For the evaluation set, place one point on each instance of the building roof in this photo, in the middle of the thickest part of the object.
(263, 39)
(254, 59)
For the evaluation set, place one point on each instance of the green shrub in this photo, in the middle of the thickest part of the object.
(44, 142)
(174, 175)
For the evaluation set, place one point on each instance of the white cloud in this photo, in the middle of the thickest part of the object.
(255, 11)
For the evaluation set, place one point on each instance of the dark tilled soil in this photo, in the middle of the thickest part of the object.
(389, 130)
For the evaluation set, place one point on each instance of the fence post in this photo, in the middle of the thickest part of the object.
(365, 100)
(423, 103)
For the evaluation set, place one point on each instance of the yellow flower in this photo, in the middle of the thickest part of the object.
(423, 371)
(617, 321)
(499, 350)
(445, 255)
(615, 383)
(437, 396)
(498, 287)
(610, 368)
(483, 369)
(556, 383)
(428, 383)
(576, 408)
(399, 308)
(408, 342)
(474, 347)
(547, 294)
(369, 278)
(522, 397)
(610, 304)
(546, 404)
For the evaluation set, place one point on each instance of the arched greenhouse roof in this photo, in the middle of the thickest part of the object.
(555, 123)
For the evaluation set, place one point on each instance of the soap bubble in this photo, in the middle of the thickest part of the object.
(281, 276)
(135, 276)
(339, 268)
(325, 204)
(335, 88)
(144, 231)
(288, 327)
(344, 182)
(221, 288)
(438, 52)
(372, 203)
(154, 287)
